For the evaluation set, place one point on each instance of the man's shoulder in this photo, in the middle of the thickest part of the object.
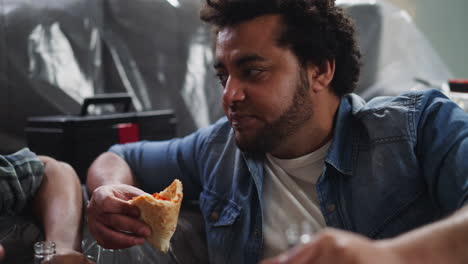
(218, 131)
(20, 176)
(398, 116)
(23, 159)
(408, 101)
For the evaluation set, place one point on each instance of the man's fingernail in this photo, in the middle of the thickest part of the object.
(145, 231)
(139, 241)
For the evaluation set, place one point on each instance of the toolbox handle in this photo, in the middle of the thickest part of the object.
(115, 98)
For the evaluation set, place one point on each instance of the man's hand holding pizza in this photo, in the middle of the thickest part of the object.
(112, 220)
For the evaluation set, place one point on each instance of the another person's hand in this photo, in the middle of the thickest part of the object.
(112, 220)
(69, 257)
(334, 246)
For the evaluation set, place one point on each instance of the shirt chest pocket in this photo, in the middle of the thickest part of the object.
(223, 226)
(217, 210)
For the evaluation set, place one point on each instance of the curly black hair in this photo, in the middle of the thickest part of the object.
(315, 30)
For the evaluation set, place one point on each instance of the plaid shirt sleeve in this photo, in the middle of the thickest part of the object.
(20, 177)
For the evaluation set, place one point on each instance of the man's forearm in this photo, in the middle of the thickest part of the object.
(109, 168)
(445, 241)
(58, 204)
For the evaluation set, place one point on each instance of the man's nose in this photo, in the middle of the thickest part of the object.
(234, 91)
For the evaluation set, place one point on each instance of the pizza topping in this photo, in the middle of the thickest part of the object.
(159, 197)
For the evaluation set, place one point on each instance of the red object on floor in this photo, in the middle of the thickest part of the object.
(458, 85)
(128, 132)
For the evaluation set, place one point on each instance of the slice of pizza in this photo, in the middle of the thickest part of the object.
(160, 212)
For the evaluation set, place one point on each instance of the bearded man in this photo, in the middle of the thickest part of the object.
(377, 182)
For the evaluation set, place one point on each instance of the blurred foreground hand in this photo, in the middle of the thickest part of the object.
(335, 246)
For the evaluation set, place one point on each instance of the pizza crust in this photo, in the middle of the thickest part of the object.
(161, 214)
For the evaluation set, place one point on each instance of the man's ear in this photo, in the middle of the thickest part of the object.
(321, 75)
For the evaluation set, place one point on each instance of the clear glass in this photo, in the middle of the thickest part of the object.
(299, 234)
(43, 251)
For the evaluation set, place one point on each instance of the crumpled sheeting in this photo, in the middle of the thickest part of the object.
(56, 53)
(395, 52)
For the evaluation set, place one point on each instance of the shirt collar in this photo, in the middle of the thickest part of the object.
(343, 146)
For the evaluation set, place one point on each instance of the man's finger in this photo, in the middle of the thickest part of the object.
(125, 223)
(112, 239)
(118, 206)
(110, 204)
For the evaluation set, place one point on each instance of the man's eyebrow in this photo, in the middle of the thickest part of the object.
(241, 60)
(248, 58)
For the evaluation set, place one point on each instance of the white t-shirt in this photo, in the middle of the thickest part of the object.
(289, 197)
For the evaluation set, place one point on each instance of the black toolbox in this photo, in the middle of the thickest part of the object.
(78, 140)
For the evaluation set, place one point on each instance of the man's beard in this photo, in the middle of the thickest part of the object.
(272, 134)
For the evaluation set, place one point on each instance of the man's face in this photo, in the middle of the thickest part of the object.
(266, 93)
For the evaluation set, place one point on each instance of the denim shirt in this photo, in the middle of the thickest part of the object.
(394, 164)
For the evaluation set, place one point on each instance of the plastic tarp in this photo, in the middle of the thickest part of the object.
(56, 53)
(395, 52)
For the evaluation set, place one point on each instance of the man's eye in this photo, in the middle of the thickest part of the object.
(222, 78)
(252, 73)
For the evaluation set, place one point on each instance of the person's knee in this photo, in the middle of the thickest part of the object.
(2, 252)
(69, 172)
(54, 168)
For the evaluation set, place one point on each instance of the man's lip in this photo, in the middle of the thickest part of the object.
(238, 119)
(236, 116)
